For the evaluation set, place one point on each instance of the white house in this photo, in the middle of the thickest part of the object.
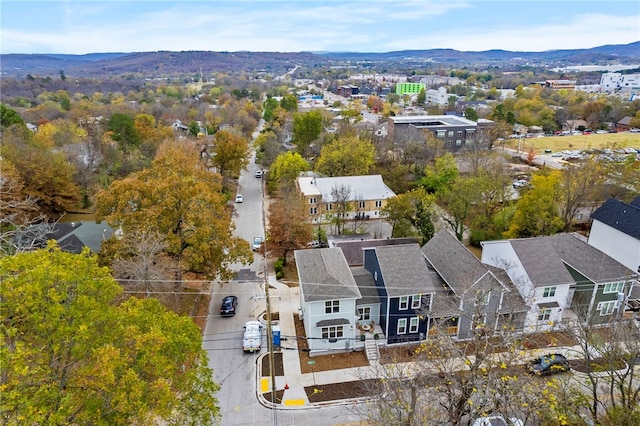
(544, 286)
(616, 231)
(328, 294)
(559, 273)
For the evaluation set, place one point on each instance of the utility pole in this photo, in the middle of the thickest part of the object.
(272, 372)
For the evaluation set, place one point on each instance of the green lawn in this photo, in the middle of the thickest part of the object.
(592, 141)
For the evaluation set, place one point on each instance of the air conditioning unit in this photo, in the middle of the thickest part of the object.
(300, 314)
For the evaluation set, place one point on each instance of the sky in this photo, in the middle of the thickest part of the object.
(98, 26)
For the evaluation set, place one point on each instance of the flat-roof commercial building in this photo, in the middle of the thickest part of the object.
(456, 132)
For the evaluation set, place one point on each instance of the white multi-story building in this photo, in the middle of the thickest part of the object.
(615, 81)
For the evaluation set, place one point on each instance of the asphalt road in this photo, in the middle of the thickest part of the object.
(234, 370)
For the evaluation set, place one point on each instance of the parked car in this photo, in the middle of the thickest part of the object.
(497, 420)
(239, 198)
(252, 339)
(548, 364)
(520, 183)
(257, 242)
(228, 307)
(258, 174)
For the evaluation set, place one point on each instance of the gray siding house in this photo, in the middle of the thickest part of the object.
(488, 300)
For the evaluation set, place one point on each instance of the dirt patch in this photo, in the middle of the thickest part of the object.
(345, 390)
(597, 365)
(277, 363)
(277, 396)
(407, 353)
(328, 362)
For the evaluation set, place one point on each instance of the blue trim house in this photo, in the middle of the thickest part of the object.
(405, 290)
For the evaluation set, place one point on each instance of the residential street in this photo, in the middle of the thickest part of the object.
(234, 370)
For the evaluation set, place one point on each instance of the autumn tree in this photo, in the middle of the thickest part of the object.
(307, 127)
(182, 201)
(459, 199)
(72, 355)
(441, 175)
(230, 153)
(22, 226)
(285, 169)
(579, 184)
(139, 266)
(341, 199)
(289, 102)
(349, 156)
(268, 147)
(59, 133)
(537, 210)
(289, 228)
(46, 176)
(410, 215)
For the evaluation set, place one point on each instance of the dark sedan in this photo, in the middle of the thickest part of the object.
(548, 364)
(228, 307)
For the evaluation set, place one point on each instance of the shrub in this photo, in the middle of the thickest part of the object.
(278, 265)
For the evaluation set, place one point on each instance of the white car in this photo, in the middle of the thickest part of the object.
(257, 242)
(239, 198)
(520, 183)
(258, 174)
(497, 420)
(252, 339)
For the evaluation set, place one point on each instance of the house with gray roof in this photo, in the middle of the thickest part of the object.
(405, 290)
(328, 294)
(559, 273)
(488, 300)
(72, 237)
(364, 197)
(353, 249)
(616, 231)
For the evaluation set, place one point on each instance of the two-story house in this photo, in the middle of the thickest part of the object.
(405, 290)
(616, 231)
(328, 294)
(560, 273)
(488, 300)
(352, 197)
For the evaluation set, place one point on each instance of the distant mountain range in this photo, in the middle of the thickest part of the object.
(163, 63)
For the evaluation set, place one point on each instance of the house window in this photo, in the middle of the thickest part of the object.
(378, 203)
(544, 315)
(328, 207)
(364, 313)
(482, 298)
(450, 133)
(313, 210)
(613, 287)
(413, 324)
(426, 301)
(313, 200)
(332, 332)
(607, 308)
(415, 301)
(458, 141)
(362, 204)
(549, 292)
(440, 134)
(459, 133)
(404, 303)
(332, 306)
(402, 326)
